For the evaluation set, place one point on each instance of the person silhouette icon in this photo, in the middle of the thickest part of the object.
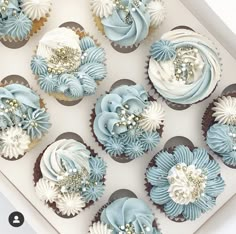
(16, 219)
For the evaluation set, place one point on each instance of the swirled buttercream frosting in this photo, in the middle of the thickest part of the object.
(126, 215)
(184, 183)
(71, 178)
(128, 22)
(126, 123)
(184, 66)
(23, 120)
(67, 66)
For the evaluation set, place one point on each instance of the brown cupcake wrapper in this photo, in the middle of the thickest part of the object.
(37, 175)
(148, 186)
(208, 120)
(15, 79)
(178, 106)
(120, 158)
(60, 97)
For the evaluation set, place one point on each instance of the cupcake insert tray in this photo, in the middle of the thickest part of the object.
(76, 119)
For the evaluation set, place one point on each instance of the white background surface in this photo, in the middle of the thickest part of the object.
(76, 118)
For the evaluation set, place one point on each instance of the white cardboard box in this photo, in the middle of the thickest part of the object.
(64, 119)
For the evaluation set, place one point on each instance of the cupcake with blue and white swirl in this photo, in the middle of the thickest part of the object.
(68, 64)
(127, 22)
(20, 19)
(125, 216)
(69, 177)
(184, 67)
(127, 122)
(184, 182)
(219, 127)
(23, 120)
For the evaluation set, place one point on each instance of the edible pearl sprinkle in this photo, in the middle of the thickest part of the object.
(185, 64)
(73, 181)
(232, 134)
(129, 229)
(63, 60)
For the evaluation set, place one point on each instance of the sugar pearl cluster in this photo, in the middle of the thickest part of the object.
(4, 6)
(129, 229)
(185, 64)
(65, 59)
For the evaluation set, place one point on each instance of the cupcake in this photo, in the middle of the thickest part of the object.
(127, 122)
(19, 19)
(23, 120)
(69, 177)
(184, 183)
(125, 216)
(127, 22)
(68, 64)
(184, 67)
(219, 127)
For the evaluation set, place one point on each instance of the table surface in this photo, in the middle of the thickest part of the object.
(75, 118)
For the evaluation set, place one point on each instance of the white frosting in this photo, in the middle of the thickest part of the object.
(225, 110)
(99, 228)
(58, 38)
(152, 117)
(36, 9)
(102, 8)
(162, 74)
(70, 204)
(46, 190)
(14, 142)
(51, 164)
(157, 12)
(187, 183)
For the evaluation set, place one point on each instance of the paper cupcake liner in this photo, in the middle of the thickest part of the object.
(15, 43)
(171, 142)
(208, 120)
(177, 106)
(37, 174)
(80, 31)
(16, 79)
(115, 196)
(121, 158)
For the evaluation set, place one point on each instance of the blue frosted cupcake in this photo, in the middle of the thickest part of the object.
(127, 22)
(19, 19)
(184, 183)
(184, 67)
(125, 215)
(219, 127)
(127, 122)
(69, 177)
(68, 64)
(23, 120)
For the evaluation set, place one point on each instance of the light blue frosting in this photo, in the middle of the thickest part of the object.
(28, 111)
(131, 211)
(86, 43)
(163, 50)
(107, 109)
(220, 141)
(39, 65)
(200, 87)
(48, 82)
(68, 84)
(134, 150)
(117, 29)
(36, 123)
(13, 5)
(149, 140)
(93, 192)
(114, 146)
(98, 168)
(81, 82)
(18, 26)
(157, 177)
